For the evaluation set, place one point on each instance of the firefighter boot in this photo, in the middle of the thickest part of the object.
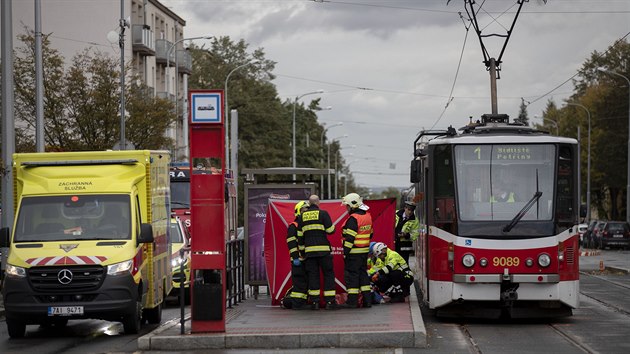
(367, 299)
(351, 303)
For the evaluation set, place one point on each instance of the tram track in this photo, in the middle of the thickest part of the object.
(607, 304)
(572, 339)
(473, 344)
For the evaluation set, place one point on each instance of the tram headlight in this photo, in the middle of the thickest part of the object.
(468, 260)
(544, 260)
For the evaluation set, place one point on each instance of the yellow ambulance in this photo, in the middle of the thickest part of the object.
(90, 239)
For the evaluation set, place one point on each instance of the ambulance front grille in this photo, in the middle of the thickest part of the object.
(66, 278)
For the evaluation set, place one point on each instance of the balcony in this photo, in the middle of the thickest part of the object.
(161, 47)
(184, 62)
(142, 40)
(165, 95)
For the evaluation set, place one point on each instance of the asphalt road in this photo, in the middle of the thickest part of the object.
(599, 325)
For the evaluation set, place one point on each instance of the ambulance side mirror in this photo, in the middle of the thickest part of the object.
(146, 233)
(5, 236)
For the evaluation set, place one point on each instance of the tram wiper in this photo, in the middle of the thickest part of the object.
(523, 211)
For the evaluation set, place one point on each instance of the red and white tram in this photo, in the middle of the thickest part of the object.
(479, 256)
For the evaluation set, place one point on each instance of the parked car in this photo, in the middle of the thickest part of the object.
(615, 233)
(180, 238)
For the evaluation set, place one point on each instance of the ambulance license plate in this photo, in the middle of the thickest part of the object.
(65, 310)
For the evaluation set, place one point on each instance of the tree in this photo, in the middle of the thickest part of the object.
(522, 113)
(149, 116)
(606, 98)
(24, 85)
(81, 104)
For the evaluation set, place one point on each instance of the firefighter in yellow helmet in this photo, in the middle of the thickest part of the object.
(297, 296)
(357, 233)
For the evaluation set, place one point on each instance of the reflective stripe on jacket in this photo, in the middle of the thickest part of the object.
(394, 261)
(292, 241)
(357, 232)
(314, 226)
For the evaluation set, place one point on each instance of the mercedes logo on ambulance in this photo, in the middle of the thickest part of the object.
(64, 276)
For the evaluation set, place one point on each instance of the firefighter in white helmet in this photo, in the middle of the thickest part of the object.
(357, 233)
(393, 277)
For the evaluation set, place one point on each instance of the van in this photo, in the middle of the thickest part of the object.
(89, 239)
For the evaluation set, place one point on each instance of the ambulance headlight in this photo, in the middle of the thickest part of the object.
(120, 268)
(468, 260)
(15, 271)
(544, 260)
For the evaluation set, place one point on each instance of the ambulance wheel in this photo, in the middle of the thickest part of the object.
(16, 328)
(132, 322)
(154, 315)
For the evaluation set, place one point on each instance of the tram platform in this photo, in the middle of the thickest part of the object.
(255, 324)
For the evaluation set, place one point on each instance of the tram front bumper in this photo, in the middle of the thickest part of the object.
(492, 287)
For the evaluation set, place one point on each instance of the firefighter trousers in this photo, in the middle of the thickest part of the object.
(313, 267)
(300, 285)
(356, 277)
(395, 283)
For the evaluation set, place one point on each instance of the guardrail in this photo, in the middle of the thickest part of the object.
(235, 272)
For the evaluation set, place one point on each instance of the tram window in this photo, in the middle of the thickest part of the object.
(518, 170)
(444, 201)
(565, 211)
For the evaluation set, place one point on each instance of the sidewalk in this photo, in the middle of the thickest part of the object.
(256, 324)
(610, 259)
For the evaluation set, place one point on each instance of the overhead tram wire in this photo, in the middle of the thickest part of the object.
(577, 73)
(459, 65)
(333, 2)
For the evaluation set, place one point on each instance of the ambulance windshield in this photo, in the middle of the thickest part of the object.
(75, 217)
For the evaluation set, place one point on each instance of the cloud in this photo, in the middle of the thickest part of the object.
(407, 53)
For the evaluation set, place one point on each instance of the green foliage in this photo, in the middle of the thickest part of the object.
(82, 103)
(606, 98)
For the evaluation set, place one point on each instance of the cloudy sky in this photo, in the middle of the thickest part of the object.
(390, 68)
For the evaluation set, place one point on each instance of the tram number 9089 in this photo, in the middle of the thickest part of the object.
(506, 261)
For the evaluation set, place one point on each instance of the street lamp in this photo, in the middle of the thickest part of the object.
(227, 110)
(337, 174)
(337, 138)
(553, 122)
(294, 105)
(321, 183)
(588, 162)
(168, 80)
(628, 178)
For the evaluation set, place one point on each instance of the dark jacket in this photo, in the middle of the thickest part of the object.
(314, 226)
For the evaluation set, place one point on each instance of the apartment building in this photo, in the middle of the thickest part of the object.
(154, 42)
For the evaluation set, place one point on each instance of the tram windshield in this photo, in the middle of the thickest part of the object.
(495, 182)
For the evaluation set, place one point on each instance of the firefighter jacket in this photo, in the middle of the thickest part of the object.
(314, 226)
(357, 232)
(401, 222)
(394, 261)
(292, 241)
